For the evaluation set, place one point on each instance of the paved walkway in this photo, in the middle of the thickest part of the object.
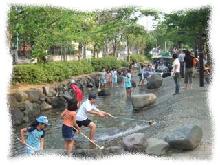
(190, 106)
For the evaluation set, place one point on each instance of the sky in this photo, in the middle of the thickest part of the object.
(165, 6)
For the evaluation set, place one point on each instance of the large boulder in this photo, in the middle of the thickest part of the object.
(140, 101)
(156, 147)
(17, 117)
(32, 110)
(34, 95)
(135, 142)
(49, 91)
(154, 82)
(104, 92)
(58, 102)
(87, 153)
(45, 106)
(187, 137)
(113, 150)
(21, 96)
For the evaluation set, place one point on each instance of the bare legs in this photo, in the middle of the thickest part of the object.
(92, 127)
(69, 146)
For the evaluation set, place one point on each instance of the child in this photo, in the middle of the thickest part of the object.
(127, 83)
(36, 134)
(69, 123)
(114, 78)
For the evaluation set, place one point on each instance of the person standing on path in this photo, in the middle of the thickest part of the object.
(188, 70)
(176, 73)
(181, 59)
(141, 75)
(89, 107)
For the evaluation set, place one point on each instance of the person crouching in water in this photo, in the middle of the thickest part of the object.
(89, 106)
(69, 125)
(35, 135)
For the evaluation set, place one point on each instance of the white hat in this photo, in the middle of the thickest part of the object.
(72, 81)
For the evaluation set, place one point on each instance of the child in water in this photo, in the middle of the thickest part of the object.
(69, 125)
(35, 135)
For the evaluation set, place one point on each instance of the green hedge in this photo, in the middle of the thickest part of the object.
(138, 58)
(108, 63)
(59, 71)
(49, 72)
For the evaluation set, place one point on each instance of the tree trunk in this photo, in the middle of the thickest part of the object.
(201, 67)
(127, 45)
(79, 51)
(114, 47)
(84, 51)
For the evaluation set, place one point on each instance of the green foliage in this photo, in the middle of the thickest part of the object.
(107, 62)
(49, 72)
(59, 71)
(138, 58)
(44, 27)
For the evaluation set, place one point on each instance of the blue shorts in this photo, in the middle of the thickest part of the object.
(67, 132)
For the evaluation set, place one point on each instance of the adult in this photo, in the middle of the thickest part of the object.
(188, 59)
(176, 73)
(141, 75)
(181, 59)
(82, 119)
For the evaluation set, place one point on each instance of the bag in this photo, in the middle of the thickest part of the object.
(194, 62)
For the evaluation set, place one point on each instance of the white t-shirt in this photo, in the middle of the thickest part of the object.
(114, 74)
(83, 109)
(129, 75)
(177, 63)
(181, 57)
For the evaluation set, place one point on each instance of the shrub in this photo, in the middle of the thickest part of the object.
(138, 58)
(49, 72)
(107, 62)
(59, 71)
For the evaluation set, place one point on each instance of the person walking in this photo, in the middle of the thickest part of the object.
(141, 75)
(181, 59)
(188, 59)
(176, 73)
